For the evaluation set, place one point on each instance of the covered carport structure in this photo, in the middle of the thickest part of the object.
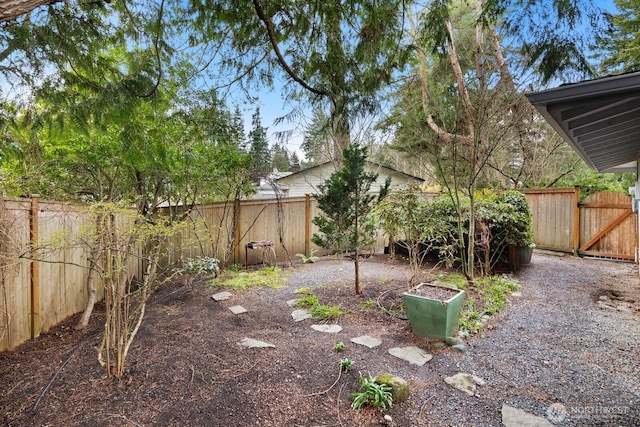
(599, 119)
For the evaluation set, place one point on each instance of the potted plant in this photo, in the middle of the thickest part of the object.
(509, 218)
(434, 309)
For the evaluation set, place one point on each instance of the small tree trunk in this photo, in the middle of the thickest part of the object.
(92, 291)
(94, 258)
(357, 267)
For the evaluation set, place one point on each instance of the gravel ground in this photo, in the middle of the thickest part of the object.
(570, 340)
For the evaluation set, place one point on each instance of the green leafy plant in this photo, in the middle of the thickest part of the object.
(326, 312)
(235, 267)
(494, 291)
(455, 279)
(345, 365)
(469, 322)
(371, 393)
(305, 290)
(308, 301)
(339, 347)
(201, 265)
(317, 310)
(368, 304)
(308, 259)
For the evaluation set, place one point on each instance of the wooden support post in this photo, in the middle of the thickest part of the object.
(34, 269)
(576, 221)
(236, 233)
(307, 225)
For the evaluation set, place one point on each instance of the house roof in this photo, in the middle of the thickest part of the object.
(599, 118)
(371, 164)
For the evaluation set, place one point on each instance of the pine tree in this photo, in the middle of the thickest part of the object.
(259, 149)
(345, 200)
(280, 158)
(621, 44)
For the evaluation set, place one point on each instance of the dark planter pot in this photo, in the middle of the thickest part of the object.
(524, 255)
(519, 256)
(434, 310)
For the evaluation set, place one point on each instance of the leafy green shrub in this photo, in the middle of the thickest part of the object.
(372, 393)
(201, 265)
(508, 216)
(506, 213)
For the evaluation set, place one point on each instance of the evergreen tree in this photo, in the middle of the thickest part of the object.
(317, 143)
(345, 200)
(622, 42)
(259, 149)
(295, 160)
(280, 158)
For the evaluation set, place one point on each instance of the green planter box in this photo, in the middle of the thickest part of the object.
(434, 310)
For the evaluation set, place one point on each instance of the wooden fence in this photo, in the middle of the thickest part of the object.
(223, 230)
(37, 294)
(602, 225)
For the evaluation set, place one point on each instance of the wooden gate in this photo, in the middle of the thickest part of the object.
(608, 227)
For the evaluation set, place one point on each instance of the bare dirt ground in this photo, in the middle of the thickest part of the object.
(570, 340)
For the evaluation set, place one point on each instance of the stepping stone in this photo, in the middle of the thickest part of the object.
(238, 309)
(293, 302)
(251, 343)
(221, 296)
(366, 341)
(465, 382)
(331, 329)
(414, 355)
(300, 315)
(513, 417)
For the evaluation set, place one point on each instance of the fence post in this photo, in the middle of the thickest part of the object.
(576, 221)
(34, 269)
(236, 231)
(307, 225)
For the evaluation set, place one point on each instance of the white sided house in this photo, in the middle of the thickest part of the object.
(307, 181)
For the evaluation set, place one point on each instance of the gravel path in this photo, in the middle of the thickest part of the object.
(561, 344)
(566, 349)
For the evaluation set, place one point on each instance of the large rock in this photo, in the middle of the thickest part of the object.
(399, 386)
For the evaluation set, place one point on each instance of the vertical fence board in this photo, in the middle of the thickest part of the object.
(553, 218)
(15, 298)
